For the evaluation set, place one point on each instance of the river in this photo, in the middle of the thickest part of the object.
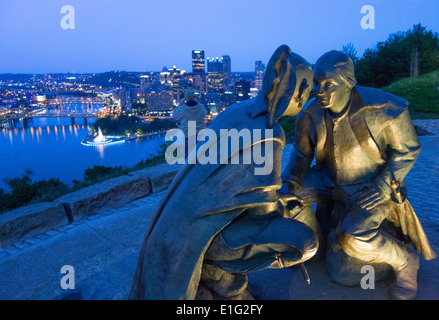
(51, 148)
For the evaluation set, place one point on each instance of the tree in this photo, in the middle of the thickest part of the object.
(350, 50)
(403, 54)
(24, 191)
(423, 49)
(97, 173)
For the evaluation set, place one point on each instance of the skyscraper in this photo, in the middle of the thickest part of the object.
(242, 90)
(198, 69)
(215, 75)
(227, 71)
(198, 63)
(125, 99)
(215, 65)
(165, 76)
(260, 70)
(175, 74)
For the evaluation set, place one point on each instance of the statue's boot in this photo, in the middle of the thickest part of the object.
(377, 246)
(225, 285)
(406, 284)
(203, 293)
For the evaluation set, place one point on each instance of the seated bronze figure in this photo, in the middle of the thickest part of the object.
(220, 220)
(364, 144)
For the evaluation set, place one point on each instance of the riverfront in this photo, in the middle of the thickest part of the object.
(51, 148)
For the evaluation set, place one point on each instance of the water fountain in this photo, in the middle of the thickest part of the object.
(100, 139)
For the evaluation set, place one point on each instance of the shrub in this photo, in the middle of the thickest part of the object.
(24, 191)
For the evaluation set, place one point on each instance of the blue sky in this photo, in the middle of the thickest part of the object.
(145, 35)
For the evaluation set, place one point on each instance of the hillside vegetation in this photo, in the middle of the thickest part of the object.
(422, 92)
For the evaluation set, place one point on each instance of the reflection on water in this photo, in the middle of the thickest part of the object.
(55, 151)
(31, 133)
(101, 151)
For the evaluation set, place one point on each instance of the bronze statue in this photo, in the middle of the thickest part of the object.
(220, 220)
(364, 144)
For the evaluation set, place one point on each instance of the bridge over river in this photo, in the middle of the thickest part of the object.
(12, 118)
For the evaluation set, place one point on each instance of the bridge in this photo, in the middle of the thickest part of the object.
(51, 115)
(208, 120)
(72, 115)
(71, 101)
(65, 114)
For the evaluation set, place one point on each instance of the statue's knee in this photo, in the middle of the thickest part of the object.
(357, 244)
(347, 241)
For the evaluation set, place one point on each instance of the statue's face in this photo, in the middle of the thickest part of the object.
(330, 89)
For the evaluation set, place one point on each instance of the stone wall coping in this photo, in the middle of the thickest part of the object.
(113, 193)
(31, 220)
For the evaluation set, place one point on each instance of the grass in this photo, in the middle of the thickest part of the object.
(422, 93)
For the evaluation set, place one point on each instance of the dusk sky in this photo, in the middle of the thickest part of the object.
(145, 35)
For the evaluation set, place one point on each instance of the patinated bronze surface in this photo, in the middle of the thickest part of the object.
(219, 221)
(364, 144)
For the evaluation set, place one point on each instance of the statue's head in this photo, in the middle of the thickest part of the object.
(286, 85)
(334, 79)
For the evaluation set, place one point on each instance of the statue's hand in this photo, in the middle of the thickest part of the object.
(293, 204)
(369, 197)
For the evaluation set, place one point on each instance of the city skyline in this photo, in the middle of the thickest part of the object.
(144, 35)
(199, 65)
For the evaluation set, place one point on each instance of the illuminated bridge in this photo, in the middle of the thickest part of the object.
(72, 115)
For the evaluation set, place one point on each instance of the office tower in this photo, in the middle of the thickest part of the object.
(253, 92)
(242, 90)
(125, 99)
(175, 75)
(215, 75)
(144, 82)
(227, 71)
(165, 76)
(198, 69)
(215, 65)
(198, 63)
(228, 98)
(259, 70)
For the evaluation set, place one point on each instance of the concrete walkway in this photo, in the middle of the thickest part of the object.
(431, 126)
(103, 250)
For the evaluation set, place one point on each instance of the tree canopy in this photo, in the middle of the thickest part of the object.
(404, 54)
(124, 124)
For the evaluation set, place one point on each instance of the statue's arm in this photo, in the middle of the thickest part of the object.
(403, 149)
(302, 155)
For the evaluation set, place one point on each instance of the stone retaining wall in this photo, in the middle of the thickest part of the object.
(113, 193)
(103, 196)
(30, 220)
